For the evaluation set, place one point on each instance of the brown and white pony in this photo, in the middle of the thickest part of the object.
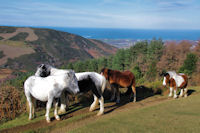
(175, 81)
(118, 79)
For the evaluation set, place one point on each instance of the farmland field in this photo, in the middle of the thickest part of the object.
(153, 115)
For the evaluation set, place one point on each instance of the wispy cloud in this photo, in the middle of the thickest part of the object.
(102, 13)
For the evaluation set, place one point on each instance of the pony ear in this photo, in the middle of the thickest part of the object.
(166, 74)
(102, 70)
(162, 74)
(108, 71)
(40, 65)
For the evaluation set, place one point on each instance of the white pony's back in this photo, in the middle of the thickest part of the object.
(177, 77)
(35, 84)
(96, 77)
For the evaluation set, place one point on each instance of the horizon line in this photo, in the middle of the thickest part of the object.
(31, 26)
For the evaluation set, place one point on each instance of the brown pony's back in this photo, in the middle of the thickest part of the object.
(124, 79)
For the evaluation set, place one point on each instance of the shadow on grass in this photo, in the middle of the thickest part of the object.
(190, 91)
(143, 92)
(73, 108)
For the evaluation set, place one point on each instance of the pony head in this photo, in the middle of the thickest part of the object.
(72, 82)
(105, 72)
(43, 70)
(166, 79)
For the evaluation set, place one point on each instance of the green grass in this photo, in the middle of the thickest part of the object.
(19, 37)
(174, 116)
(13, 43)
(23, 119)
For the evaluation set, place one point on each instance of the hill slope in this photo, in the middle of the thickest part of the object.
(25, 48)
(153, 114)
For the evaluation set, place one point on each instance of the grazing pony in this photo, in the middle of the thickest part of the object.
(48, 89)
(175, 81)
(86, 81)
(120, 79)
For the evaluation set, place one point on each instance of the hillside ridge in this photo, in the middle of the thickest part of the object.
(42, 45)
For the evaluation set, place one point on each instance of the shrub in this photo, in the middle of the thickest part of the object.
(1, 54)
(156, 86)
(11, 103)
(137, 72)
(189, 65)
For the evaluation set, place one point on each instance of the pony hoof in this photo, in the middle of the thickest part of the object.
(48, 120)
(91, 109)
(100, 113)
(57, 118)
(175, 97)
(118, 101)
(112, 100)
(29, 119)
(61, 111)
(185, 96)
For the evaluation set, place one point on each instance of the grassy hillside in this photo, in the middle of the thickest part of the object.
(154, 115)
(174, 116)
(49, 46)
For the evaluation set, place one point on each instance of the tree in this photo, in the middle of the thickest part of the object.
(152, 71)
(189, 65)
(118, 62)
(155, 49)
(137, 72)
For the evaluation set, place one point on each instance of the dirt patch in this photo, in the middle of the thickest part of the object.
(94, 53)
(31, 37)
(5, 73)
(111, 50)
(110, 109)
(13, 52)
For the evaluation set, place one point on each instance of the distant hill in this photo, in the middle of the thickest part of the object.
(25, 48)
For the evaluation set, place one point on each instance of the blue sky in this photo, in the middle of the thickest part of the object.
(138, 14)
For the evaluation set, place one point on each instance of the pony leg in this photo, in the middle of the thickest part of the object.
(101, 101)
(64, 101)
(118, 94)
(94, 104)
(181, 93)
(114, 92)
(33, 107)
(134, 92)
(175, 95)
(48, 107)
(171, 91)
(185, 92)
(29, 104)
(56, 110)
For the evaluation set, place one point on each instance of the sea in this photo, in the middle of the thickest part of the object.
(134, 34)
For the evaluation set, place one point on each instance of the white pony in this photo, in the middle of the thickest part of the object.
(86, 81)
(176, 81)
(48, 89)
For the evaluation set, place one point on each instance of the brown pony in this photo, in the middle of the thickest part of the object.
(118, 79)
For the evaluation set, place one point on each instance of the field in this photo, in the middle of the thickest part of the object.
(154, 114)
